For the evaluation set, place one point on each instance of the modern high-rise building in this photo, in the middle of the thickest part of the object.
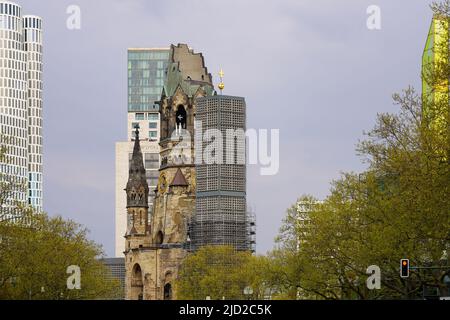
(21, 103)
(221, 216)
(117, 269)
(304, 209)
(146, 76)
(435, 58)
(435, 76)
(33, 49)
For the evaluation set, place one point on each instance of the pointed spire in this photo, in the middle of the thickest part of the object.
(137, 161)
(137, 186)
(179, 180)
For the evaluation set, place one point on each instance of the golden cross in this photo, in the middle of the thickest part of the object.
(221, 74)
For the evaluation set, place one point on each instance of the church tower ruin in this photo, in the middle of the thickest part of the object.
(156, 246)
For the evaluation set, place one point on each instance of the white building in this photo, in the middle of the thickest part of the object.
(21, 101)
(304, 208)
(146, 76)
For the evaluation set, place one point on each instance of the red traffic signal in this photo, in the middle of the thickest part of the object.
(404, 268)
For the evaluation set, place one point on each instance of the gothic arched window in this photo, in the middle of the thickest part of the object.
(141, 193)
(181, 117)
(168, 291)
(133, 194)
(159, 237)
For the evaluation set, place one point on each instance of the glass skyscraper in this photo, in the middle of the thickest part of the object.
(146, 75)
(21, 104)
(33, 48)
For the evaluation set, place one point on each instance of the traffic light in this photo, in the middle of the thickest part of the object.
(404, 268)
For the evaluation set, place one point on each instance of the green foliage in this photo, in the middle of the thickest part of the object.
(35, 253)
(398, 208)
(221, 272)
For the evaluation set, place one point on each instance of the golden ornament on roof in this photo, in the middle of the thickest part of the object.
(221, 85)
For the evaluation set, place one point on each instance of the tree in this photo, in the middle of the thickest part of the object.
(35, 254)
(398, 208)
(36, 250)
(221, 272)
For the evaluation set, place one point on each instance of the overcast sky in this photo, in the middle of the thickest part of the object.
(308, 67)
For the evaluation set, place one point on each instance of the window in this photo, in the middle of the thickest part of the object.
(168, 292)
(153, 134)
(180, 117)
(159, 237)
(153, 116)
(140, 116)
(153, 125)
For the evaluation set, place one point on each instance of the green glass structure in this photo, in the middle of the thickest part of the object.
(146, 76)
(435, 76)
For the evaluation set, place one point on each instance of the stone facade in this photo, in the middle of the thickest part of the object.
(155, 247)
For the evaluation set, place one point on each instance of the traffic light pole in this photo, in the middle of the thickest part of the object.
(429, 268)
(405, 268)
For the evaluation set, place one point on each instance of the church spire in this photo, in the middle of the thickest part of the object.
(137, 187)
